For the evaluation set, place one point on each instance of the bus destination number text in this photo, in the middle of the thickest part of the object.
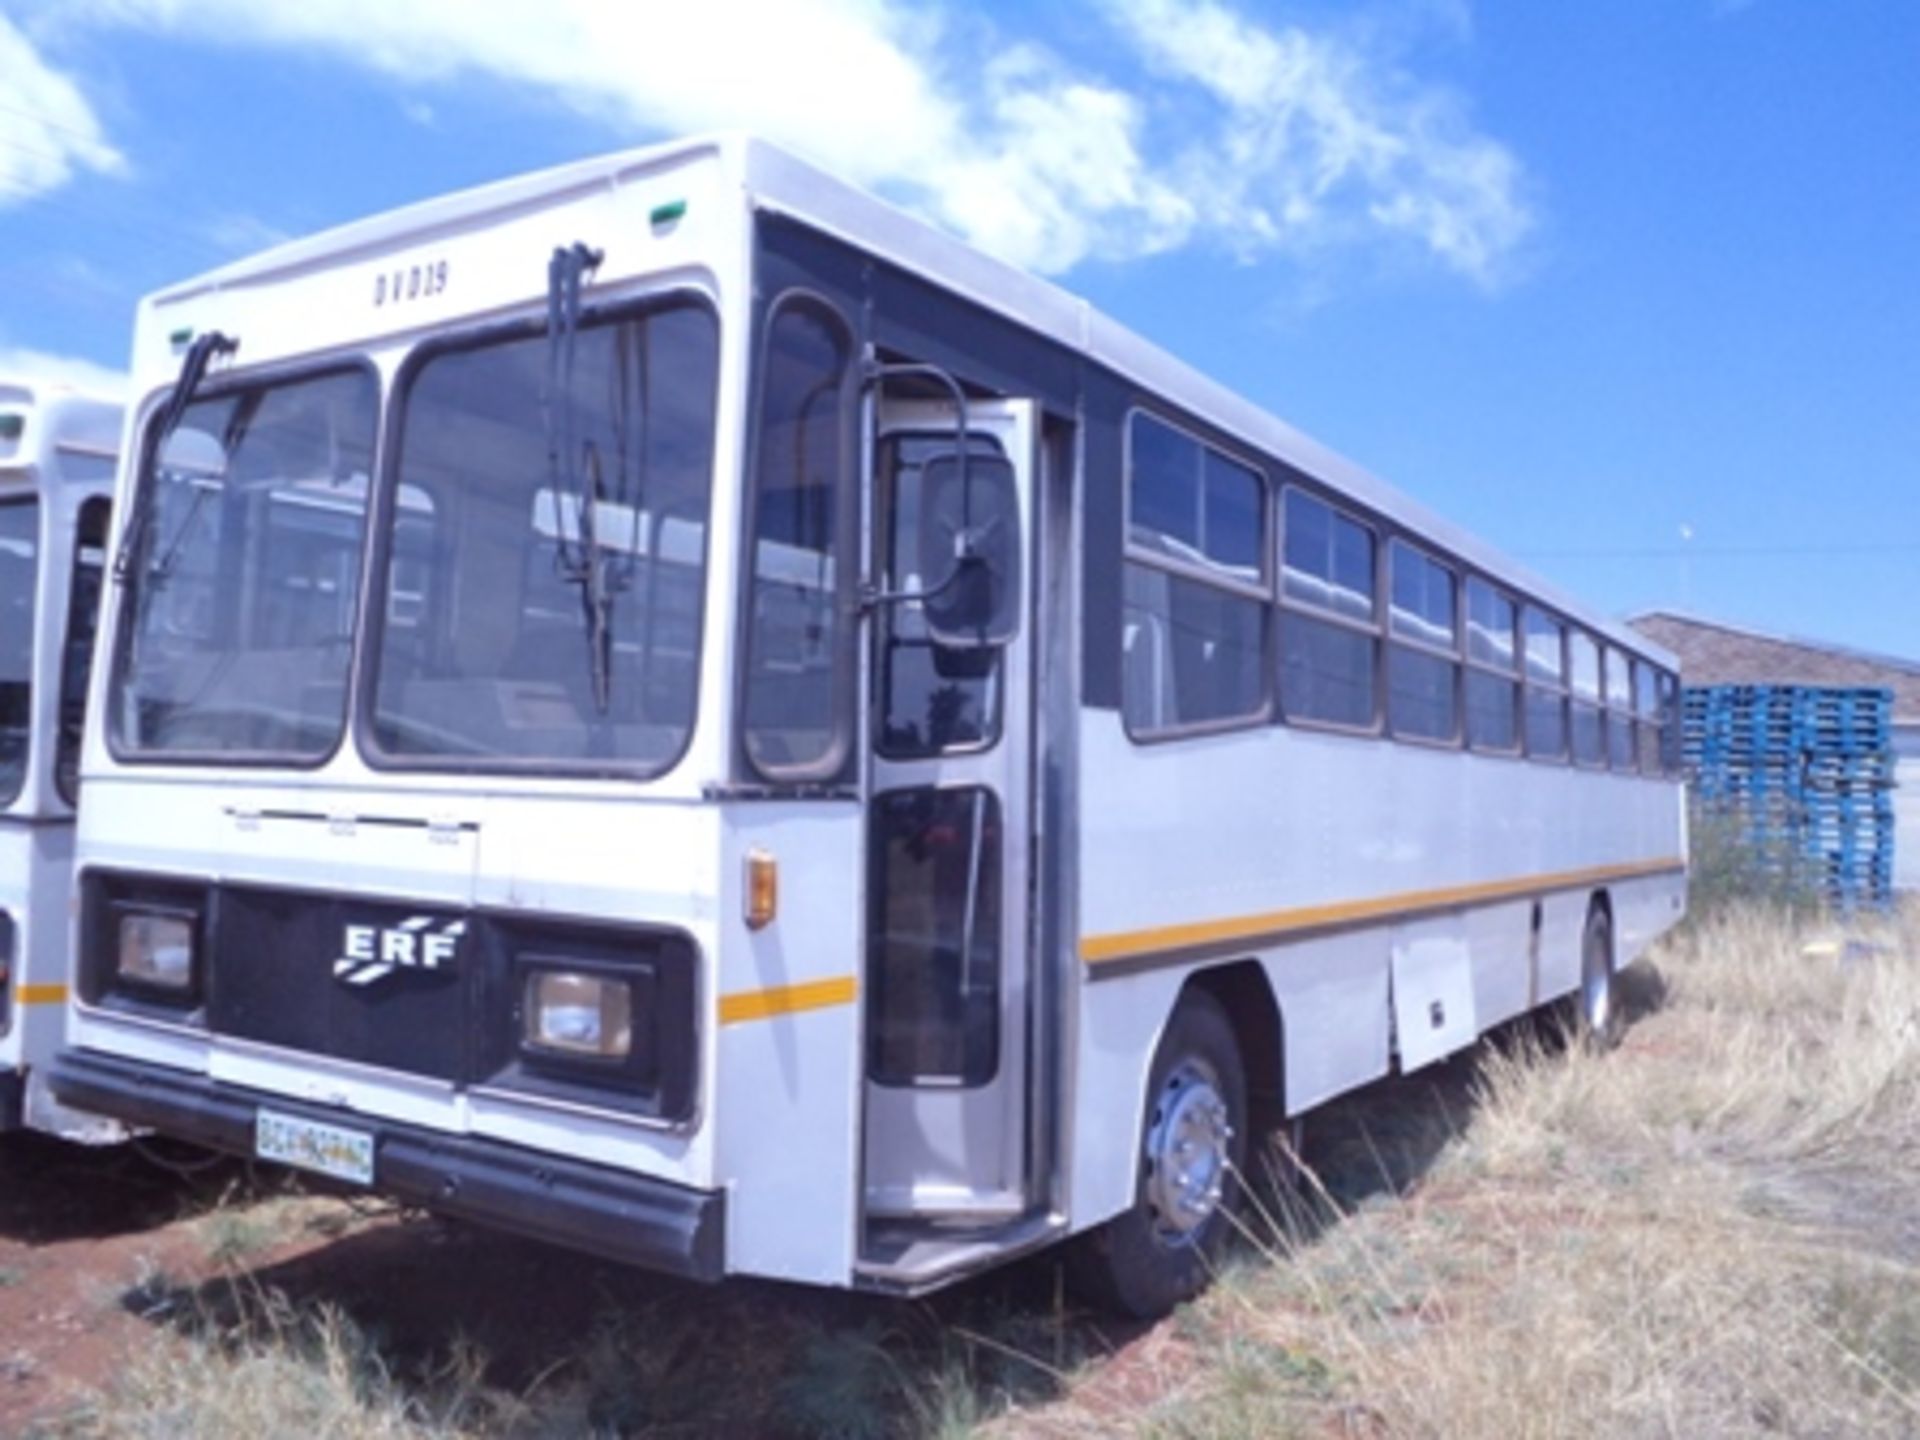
(409, 282)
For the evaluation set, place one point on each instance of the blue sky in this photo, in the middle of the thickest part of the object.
(1632, 289)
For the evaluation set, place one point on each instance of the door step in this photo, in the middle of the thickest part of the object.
(906, 1257)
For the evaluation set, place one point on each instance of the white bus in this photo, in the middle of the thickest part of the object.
(668, 706)
(58, 447)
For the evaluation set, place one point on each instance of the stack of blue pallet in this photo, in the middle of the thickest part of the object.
(1806, 773)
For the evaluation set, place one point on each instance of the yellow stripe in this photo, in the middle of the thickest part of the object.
(786, 999)
(41, 994)
(1276, 924)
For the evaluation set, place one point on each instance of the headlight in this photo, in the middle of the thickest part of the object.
(156, 950)
(570, 1012)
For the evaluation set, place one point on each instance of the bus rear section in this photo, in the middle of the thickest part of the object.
(57, 454)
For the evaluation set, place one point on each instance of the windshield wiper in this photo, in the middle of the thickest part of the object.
(192, 370)
(575, 470)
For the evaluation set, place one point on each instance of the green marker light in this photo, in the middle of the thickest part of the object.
(181, 336)
(668, 213)
(12, 426)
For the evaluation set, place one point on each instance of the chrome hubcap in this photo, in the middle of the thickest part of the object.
(1596, 989)
(1188, 1139)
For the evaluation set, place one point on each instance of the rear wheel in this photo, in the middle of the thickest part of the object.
(1599, 1005)
(1192, 1146)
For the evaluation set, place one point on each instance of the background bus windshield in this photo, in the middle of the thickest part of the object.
(19, 574)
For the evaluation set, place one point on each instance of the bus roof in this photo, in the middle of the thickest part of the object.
(775, 180)
(40, 417)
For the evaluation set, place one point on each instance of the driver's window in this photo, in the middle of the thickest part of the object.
(933, 699)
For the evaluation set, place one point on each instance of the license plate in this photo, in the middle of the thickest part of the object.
(310, 1145)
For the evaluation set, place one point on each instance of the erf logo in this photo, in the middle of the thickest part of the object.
(370, 953)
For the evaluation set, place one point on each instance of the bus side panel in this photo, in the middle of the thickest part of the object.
(790, 1045)
(1120, 1023)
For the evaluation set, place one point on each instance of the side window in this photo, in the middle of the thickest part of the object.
(1620, 751)
(798, 662)
(76, 656)
(1589, 739)
(1647, 712)
(1493, 670)
(1670, 732)
(1330, 633)
(1423, 661)
(1196, 585)
(1546, 671)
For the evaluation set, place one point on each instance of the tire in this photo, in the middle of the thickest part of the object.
(1165, 1248)
(1597, 1005)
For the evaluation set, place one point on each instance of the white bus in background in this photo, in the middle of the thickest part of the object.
(57, 452)
(774, 744)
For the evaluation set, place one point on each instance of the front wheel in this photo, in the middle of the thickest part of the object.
(1193, 1145)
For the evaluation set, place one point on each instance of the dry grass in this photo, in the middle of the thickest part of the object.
(1712, 1231)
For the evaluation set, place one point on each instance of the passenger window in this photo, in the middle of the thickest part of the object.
(1546, 673)
(1196, 585)
(1670, 732)
(1329, 637)
(1493, 666)
(1620, 751)
(1589, 740)
(798, 664)
(1422, 662)
(1646, 709)
(933, 1007)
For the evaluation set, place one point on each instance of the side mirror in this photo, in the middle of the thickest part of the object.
(970, 551)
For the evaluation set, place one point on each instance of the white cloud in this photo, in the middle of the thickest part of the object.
(26, 364)
(1311, 142)
(1258, 137)
(47, 128)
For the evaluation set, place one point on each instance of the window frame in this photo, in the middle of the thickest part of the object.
(1262, 594)
(370, 631)
(1375, 630)
(118, 593)
(1457, 739)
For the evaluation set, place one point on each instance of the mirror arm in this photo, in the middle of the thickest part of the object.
(872, 597)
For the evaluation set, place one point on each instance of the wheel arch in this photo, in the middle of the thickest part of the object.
(1246, 994)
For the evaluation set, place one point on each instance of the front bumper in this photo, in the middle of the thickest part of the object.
(610, 1213)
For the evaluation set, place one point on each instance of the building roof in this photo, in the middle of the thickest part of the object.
(1715, 653)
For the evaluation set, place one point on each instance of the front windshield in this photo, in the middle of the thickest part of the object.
(19, 576)
(241, 585)
(500, 643)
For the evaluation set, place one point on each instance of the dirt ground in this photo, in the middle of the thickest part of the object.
(105, 1253)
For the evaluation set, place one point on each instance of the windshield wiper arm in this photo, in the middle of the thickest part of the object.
(574, 470)
(192, 370)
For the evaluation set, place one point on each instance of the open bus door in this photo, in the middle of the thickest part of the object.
(947, 958)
